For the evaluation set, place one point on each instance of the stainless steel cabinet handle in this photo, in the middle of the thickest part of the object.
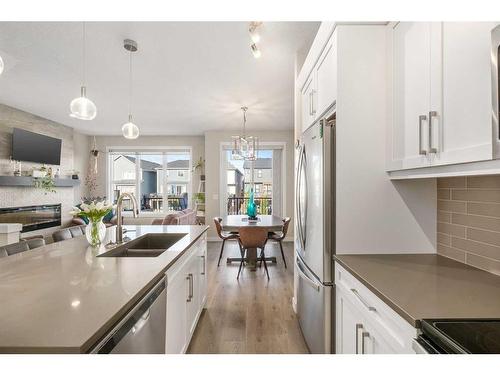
(432, 150)
(190, 280)
(363, 336)
(358, 327)
(356, 293)
(421, 118)
(204, 264)
(312, 103)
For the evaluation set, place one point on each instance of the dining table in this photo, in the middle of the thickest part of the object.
(233, 223)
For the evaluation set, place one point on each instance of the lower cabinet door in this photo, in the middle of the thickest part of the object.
(176, 314)
(349, 326)
(371, 342)
(193, 300)
(202, 273)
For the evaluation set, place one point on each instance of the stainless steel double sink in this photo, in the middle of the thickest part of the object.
(149, 245)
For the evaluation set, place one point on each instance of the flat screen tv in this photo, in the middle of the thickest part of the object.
(28, 146)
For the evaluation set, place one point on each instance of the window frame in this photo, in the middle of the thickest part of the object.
(138, 150)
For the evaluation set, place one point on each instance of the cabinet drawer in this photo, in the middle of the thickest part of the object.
(397, 332)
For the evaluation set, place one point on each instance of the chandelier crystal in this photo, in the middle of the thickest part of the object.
(244, 147)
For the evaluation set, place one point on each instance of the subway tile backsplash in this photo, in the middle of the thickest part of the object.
(468, 220)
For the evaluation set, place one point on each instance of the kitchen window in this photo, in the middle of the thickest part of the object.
(159, 179)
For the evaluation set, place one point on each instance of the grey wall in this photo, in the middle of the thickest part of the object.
(74, 155)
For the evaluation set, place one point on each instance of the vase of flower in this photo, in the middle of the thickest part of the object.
(95, 231)
(94, 212)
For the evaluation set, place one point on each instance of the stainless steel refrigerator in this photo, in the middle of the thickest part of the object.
(315, 233)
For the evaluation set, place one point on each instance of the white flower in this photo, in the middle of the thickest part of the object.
(100, 206)
(85, 207)
(75, 211)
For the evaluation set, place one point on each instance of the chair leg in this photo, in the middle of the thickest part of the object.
(260, 258)
(282, 253)
(262, 255)
(241, 264)
(221, 251)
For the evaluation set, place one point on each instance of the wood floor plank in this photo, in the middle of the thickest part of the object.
(249, 315)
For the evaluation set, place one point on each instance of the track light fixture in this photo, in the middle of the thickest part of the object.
(255, 36)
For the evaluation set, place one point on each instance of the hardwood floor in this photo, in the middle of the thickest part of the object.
(252, 314)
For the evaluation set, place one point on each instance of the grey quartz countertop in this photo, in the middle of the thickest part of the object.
(62, 298)
(427, 286)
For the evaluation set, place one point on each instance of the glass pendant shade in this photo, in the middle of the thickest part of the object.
(1, 65)
(83, 108)
(243, 147)
(252, 147)
(130, 130)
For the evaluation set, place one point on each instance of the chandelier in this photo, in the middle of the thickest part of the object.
(244, 147)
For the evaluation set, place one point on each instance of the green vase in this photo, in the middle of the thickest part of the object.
(251, 209)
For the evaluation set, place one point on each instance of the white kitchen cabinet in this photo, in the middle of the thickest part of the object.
(326, 77)
(319, 90)
(412, 44)
(186, 296)
(467, 100)
(307, 102)
(177, 292)
(364, 323)
(348, 325)
(440, 91)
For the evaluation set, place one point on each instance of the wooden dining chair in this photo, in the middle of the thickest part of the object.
(280, 236)
(253, 238)
(224, 236)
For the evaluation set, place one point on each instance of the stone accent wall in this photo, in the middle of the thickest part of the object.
(24, 196)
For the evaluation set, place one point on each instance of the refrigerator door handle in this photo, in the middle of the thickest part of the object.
(306, 278)
(297, 198)
(303, 175)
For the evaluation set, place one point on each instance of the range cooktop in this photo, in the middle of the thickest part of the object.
(475, 336)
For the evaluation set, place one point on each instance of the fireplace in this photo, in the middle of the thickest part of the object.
(32, 217)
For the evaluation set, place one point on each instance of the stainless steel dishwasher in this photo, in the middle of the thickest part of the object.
(143, 329)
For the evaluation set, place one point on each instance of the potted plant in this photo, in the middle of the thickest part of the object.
(199, 197)
(46, 183)
(94, 212)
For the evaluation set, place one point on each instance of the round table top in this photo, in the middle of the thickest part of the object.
(232, 223)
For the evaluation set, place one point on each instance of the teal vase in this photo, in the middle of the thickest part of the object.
(251, 209)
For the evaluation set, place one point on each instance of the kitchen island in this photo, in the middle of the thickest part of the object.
(64, 297)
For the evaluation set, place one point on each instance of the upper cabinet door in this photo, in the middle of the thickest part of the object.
(466, 133)
(326, 77)
(307, 99)
(411, 95)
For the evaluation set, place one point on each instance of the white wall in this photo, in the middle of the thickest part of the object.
(374, 214)
(213, 141)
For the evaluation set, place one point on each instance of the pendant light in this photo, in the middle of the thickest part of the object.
(82, 107)
(129, 129)
(244, 147)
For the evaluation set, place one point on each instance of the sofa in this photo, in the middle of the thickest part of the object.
(184, 217)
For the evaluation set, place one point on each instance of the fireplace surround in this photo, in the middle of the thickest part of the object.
(32, 217)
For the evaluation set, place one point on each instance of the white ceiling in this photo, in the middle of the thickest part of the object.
(189, 77)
